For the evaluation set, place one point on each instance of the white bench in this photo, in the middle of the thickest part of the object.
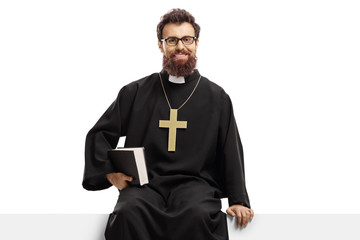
(263, 226)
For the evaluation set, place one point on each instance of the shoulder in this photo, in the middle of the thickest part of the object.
(215, 89)
(133, 87)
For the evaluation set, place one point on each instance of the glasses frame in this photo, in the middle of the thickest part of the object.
(177, 40)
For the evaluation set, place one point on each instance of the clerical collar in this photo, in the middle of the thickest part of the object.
(180, 80)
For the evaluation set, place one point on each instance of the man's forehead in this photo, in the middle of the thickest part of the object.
(178, 30)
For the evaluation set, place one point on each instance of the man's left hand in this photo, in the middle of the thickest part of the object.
(243, 214)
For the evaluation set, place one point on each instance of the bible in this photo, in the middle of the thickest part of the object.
(130, 161)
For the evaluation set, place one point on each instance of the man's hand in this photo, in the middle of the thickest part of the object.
(243, 214)
(119, 180)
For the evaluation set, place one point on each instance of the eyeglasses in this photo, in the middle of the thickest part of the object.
(173, 41)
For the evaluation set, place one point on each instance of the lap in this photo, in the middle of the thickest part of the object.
(172, 194)
(171, 189)
(195, 211)
(137, 196)
(180, 209)
(195, 196)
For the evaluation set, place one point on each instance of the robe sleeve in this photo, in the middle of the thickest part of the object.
(103, 137)
(232, 156)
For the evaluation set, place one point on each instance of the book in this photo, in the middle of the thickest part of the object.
(130, 161)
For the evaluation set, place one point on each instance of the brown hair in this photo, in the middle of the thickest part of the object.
(177, 16)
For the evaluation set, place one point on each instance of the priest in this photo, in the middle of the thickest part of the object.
(193, 151)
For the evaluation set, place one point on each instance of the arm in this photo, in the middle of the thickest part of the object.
(103, 137)
(233, 165)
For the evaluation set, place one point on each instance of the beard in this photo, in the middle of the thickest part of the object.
(179, 68)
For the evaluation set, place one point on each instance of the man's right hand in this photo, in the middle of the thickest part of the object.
(119, 180)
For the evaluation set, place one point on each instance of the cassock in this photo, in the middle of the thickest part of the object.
(183, 197)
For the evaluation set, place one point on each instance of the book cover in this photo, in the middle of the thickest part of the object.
(130, 161)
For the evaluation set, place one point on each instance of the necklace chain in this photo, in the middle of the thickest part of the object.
(167, 99)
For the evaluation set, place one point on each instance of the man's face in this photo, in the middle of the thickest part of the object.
(179, 60)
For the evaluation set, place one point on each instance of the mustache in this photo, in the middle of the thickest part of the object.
(183, 52)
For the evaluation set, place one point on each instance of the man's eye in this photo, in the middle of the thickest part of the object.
(187, 40)
(171, 40)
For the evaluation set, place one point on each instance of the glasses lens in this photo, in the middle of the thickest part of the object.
(171, 41)
(187, 40)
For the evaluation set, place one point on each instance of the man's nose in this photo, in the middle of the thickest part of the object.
(179, 45)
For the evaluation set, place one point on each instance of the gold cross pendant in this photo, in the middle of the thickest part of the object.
(172, 124)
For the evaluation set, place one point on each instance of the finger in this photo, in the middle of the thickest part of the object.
(118, 186)
(238, 217)
(245, 218)
(251, 214)
(126, 177)
(230, 212)
(122, 186)
(113, 181)
(129, 179)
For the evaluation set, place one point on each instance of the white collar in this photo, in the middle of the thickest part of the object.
(178, 80)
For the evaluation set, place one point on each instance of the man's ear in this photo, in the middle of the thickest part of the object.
(196, 44)
(161, 46)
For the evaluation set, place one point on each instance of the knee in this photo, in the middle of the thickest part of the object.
(128, 208)
(198, 212)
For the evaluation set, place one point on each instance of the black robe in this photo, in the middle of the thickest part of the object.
(182, 199)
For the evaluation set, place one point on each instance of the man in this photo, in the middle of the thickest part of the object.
(194, 156)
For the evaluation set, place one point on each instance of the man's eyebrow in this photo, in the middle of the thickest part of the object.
(179, 37)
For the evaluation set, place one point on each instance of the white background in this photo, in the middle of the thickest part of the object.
(290, 67)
